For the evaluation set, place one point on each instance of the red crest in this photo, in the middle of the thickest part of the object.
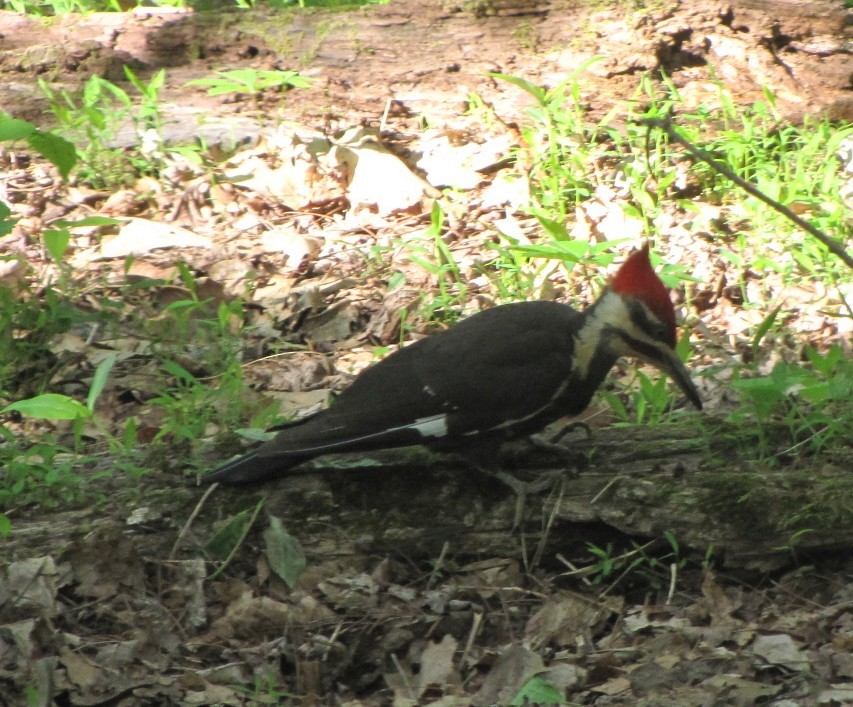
(637, 279)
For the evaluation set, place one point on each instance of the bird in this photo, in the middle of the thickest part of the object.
(501, 374)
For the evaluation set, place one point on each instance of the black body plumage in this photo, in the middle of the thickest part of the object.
(493, 374)
(501, 374)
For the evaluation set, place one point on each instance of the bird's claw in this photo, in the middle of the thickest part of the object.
(568, 429)
(523, 489)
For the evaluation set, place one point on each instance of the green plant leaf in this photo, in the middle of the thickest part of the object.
(671, 539)
(551, 252)
(6, 223)
(825, 364)
(99, 380)
(178, 371)
(555, 229)
(130, 435)
(88, 221)
(284, 553)
(251, 80)
(763, 392)
(50, 406)
(229, 535)
(56, 243)
(255, 434)
(537, 92)
(56, 149)
(762, 330)
(538, 691)
(14, 129)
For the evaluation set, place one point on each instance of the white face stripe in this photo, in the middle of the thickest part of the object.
(610, 312)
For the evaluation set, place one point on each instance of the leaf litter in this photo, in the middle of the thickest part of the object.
(106, 614)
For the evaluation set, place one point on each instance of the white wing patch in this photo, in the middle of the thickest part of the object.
(434, 426)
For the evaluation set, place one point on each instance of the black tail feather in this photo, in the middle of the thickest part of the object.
(251, 468)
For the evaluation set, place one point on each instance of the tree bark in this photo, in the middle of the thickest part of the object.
(700, 485)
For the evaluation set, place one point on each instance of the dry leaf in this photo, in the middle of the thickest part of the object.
(139, 236)
(437, 665)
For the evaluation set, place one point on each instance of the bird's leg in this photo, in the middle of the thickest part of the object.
(514, 453)
(524, 488)
(489, 456)
(567, 429)
(550, 446)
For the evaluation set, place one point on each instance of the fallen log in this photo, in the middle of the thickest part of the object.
(701, 485)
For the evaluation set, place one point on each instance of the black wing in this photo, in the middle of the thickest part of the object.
(498, 368)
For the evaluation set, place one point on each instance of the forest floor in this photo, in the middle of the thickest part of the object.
(318, 219)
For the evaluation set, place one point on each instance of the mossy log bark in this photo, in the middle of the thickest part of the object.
(697, 480)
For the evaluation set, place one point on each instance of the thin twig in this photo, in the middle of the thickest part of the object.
(673, 578)
(403, 676)
(438, 565)
(540, 548)
(665, 124)
(239, 543)
(188, 524)
(476, 622)
(575, 570)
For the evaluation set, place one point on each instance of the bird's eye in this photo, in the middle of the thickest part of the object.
(650, 325)
(658, 330)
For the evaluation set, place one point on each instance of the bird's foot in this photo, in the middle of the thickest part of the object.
(530, 450)
(568, 429)
(523, 489)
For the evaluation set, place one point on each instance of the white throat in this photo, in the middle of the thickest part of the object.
(609, 315)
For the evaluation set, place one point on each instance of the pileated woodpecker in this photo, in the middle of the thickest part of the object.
(501, 374)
